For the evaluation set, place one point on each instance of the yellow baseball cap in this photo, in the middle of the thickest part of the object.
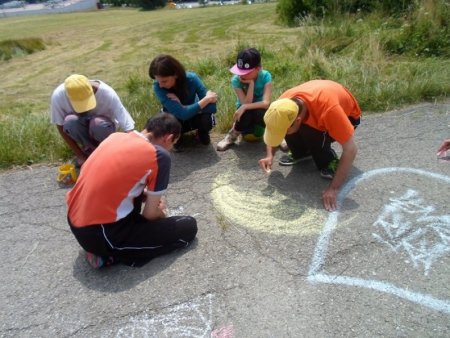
(80, 93)
(278, 118)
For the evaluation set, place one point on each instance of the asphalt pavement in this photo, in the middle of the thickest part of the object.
(268, 260)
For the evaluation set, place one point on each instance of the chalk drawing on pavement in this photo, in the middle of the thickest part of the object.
(190, 319)
(268, 212)
(223, 332)
(425, 240)
(178, 211)
(421, 251)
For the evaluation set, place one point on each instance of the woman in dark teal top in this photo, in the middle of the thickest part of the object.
(183, 95)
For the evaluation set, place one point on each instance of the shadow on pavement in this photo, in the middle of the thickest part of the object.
(191, 159)
(118, 278)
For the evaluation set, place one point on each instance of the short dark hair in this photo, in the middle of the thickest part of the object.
(163, 124)
(166, 65)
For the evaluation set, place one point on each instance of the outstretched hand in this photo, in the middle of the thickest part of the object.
(329, 198)
(444, 146)
(212, 96)
(173, 97)
(239, 112)
(266, 164)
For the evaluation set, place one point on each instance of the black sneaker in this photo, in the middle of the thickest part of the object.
(288, 160)
(329, 171)
(204, 138)
(178, 146)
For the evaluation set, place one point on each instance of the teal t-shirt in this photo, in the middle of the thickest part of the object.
(263, 78)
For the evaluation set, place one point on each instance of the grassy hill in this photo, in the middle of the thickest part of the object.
(117, 45)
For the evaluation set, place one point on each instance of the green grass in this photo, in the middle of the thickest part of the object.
(20, 47)
(117, 46)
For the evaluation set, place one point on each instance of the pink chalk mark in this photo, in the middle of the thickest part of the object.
(443, 156)
(223, 332)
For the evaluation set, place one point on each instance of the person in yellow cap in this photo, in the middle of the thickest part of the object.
(86, 112)
(310, 117)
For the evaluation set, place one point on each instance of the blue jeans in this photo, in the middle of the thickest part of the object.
(88, 129)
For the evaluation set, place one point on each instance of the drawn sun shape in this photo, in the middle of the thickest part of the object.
(265, 210)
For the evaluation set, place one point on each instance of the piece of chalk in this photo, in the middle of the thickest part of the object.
(268, 171)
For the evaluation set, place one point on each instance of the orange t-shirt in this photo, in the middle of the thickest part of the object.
(118, 171)
(329, 106)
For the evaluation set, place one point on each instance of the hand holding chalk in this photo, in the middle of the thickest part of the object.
(266, 165)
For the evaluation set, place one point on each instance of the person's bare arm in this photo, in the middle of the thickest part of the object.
(264, 104)
(154, 207)
(266, 163)
(329, 196)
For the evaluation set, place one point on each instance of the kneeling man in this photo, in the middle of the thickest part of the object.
(104, 206)
(310, 117)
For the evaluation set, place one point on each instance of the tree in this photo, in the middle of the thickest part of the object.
(149, 4)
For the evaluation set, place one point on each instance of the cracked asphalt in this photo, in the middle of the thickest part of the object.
(268, 260)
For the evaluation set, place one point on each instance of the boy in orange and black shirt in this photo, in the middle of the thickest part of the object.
(310, 117)
(104, 206)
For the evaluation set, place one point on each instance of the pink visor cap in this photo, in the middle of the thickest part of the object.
(247, 60)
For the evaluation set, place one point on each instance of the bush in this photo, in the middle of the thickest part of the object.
(426, 33)
(149, 4)
(27, 138)
(12, 48)
(289, 11)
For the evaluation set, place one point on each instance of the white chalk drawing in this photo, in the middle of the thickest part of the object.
(400, 233)
(317, 274)
(175, 211)
(179, 211)
(190, 319)
(275, 213)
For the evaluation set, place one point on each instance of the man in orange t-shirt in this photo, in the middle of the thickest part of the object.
(104, 206)
(310, 117)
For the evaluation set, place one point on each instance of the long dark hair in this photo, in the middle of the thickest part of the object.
(166, 65)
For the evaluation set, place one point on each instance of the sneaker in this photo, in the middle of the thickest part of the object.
(329, 171)
(98, 262)
(178, 147)
(287, 160)
(228, 141)
(204, 138)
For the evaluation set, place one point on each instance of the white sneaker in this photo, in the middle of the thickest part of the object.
(228, 141)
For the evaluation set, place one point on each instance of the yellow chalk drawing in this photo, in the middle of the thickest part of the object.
(265, 209)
